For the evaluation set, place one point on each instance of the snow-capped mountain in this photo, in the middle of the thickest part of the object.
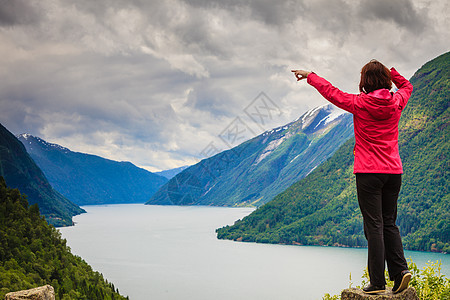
(28, 139)
(258, 169)
(90, 179)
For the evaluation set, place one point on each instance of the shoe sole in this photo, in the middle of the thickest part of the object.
(375, 292)
(404, 284)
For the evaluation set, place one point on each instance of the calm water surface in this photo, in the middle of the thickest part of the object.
(171, 252)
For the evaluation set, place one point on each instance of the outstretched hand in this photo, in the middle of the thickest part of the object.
(300, 74)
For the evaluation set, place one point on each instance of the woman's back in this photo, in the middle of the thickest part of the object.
(376, 116)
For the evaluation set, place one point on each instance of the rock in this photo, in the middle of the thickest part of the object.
(357, 294)
(40, 293)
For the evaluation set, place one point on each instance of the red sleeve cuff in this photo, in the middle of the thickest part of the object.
(310, 78)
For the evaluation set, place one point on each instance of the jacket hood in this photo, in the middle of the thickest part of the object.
(380, 104)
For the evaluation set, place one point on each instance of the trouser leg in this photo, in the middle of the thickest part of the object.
(369, 190)
(395, 257)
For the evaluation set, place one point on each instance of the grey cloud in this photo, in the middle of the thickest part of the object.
(129, 77)
(278, 12)
(335, 17)
(401, 12)
(270, 12)
(17, 12)
(89, 94)
(214, 100)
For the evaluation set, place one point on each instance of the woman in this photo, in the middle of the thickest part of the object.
(377, 165)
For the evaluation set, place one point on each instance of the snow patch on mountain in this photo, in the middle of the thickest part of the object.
(275, 130)
(305, 120)
(30, 139)
(270, 148)
(334, 114)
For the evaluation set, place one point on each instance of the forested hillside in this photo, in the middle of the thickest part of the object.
(322, 208)
(21, 172)
(32, 254)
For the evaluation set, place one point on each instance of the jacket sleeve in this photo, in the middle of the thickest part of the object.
(405, 88)
(341, 99)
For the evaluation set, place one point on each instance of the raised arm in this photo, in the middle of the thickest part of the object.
(328, 91)
(405, 88)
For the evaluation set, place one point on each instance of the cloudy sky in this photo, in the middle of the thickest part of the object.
(163, 83)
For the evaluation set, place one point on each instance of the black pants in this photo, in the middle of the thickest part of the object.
(377, 198)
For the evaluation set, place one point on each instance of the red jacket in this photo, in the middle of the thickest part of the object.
(375, 119)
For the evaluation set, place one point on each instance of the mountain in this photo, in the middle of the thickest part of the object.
(32, 254)
(89, 179)
(322, 208)
(169, 174)
(21, 172)
(255, 171)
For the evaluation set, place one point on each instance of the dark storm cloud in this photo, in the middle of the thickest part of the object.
(270, 12)
(401, 12)
(17, 12)
(333, 18)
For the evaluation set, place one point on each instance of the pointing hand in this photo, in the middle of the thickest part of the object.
(301, 74)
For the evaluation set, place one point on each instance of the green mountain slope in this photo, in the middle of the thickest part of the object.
(33, 254)
(322, 208)
(20, 171)
(257, 170)
(98, 180)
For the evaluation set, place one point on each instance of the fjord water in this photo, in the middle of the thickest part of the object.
(171, 252)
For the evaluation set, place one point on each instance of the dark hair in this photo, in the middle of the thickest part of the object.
(374, 76)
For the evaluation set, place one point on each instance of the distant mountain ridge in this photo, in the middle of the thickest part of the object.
(169, 174)
(90, 179)
(21, 172)
(322, 208)
(253, 172)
